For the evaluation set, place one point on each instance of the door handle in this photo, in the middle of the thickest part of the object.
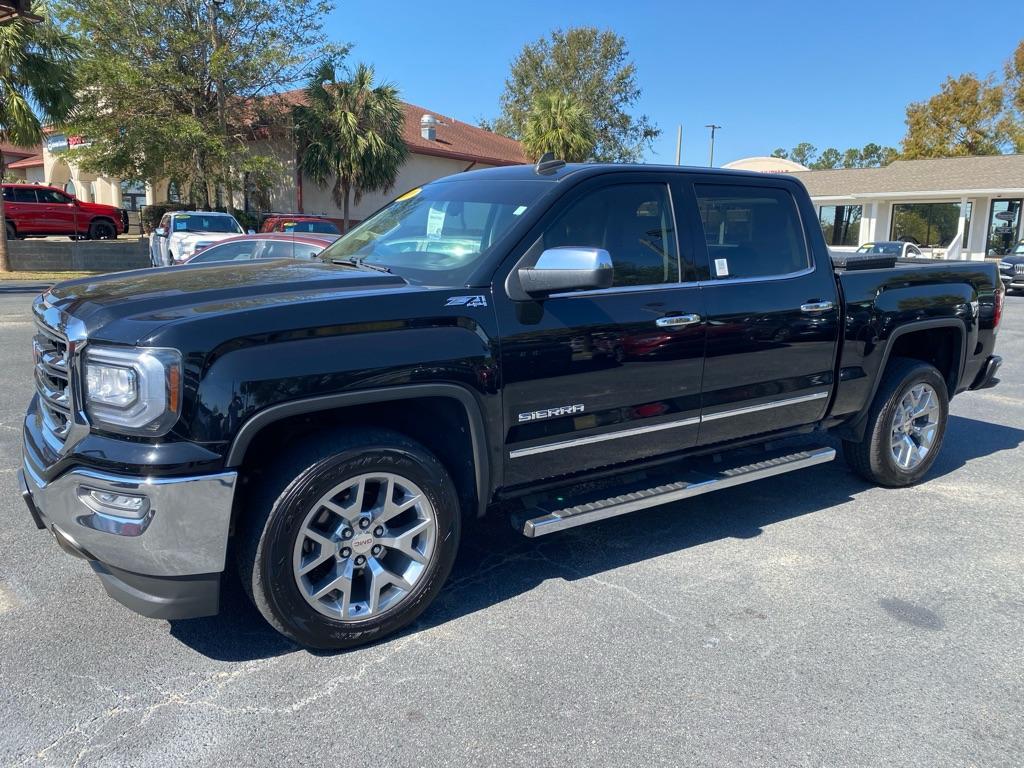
(677, 321)
(813, 307)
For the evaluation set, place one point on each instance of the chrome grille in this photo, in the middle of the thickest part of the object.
(53, 379)
(1019, 268)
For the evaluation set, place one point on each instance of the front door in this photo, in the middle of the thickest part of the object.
(600, 377)
(59, 211)
(772, 312)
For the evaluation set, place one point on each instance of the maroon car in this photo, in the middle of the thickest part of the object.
(268, 245)
(34, 210)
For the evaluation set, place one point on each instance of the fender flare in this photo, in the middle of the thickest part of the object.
(857, 425)
(474, 417)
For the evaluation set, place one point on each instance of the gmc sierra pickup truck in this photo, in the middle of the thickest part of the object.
(557, 344)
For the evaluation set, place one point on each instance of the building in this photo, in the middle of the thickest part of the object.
(22, 163)
(929, 202)
(438, 146)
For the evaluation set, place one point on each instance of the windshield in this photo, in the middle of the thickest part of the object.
(885, 249)
(436, 235)
(198, 222)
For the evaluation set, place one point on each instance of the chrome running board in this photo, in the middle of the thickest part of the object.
(693, 484)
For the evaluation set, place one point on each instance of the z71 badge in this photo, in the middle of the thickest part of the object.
(467, 301)
(550, 413)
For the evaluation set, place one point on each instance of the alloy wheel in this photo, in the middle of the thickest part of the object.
(915, 425)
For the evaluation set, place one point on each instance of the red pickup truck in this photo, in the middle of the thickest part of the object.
(33, 210)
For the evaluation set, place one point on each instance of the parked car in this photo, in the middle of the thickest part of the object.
(270, 245)
(897, 248)
(298, 222)
(1011, 269)
(182, 234)
(328, 427)
(35, 210)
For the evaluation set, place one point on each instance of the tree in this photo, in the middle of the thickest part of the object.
(592, 66)
(349, 133)
(803, 153)
(964, 118)
(853, 158)
(559, 123)
(37, 84)
(780, 153)
(827, 160)
(1014, 71)
(180, 88)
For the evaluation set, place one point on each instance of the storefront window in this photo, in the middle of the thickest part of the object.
(931, 225)
(840, 224)
(1003, 225)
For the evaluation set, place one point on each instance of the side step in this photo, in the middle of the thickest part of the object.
(691, 484)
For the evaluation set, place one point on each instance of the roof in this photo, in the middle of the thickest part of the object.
(13, 149)
(31, 161)
(928, 176)
(580, 170)
(455, 139)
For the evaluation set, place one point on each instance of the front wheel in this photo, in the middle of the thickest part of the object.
(906, 424)
(352, 542)
(101, 229)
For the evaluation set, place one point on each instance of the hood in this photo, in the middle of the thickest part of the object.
(1013, 258)
(110, 210)
(127, 306)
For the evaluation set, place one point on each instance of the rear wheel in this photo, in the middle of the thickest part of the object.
(350, 542)
(906, 425)
(101, 229)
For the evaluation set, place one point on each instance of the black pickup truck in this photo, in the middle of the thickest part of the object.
(556, 344)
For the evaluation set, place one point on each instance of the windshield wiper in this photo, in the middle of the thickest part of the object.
(359, 263)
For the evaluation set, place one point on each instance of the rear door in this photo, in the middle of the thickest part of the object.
(25, 210)
(599, 377)
(772, 312)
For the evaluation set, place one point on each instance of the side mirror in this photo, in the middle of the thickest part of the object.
(160, 232)
(567, 269)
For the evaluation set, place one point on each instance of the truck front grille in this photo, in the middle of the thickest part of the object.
(53, 379)
(1019, 268)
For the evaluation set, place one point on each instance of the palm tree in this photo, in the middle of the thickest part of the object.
(37, 65)
(559, 123)
(349, 134)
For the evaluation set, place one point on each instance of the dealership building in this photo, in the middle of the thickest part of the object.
(970, 202)
(438, 146)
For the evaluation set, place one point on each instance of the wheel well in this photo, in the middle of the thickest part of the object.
(104, 219)
(941, 347)
(440, 424)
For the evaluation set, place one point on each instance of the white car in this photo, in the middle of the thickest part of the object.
(897, 248)
(182, 234)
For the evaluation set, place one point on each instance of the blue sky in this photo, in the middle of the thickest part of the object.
(771, 73)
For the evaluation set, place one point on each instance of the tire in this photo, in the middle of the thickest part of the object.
(101, 229)
(274, 541)
(12, 233)
(875, 457)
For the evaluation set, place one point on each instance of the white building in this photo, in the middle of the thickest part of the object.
(929, 202)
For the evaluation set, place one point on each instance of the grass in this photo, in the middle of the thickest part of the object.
(52, 277)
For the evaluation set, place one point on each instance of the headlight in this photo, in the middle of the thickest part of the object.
(135, 391)
(1005, 265)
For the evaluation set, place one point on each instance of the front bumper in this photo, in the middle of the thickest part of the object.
(1015, 282)
(167, 563)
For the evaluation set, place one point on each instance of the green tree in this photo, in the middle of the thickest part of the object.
(853, 158)
(804, 153)
(964, 118)
(780, 153)
(592, 66)
(349, 133)
(37, 85)
(1014, 71)
(559, 123)
(181, 88)
(827, 160)
(876, 156)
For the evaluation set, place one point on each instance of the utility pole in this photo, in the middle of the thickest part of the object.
(679, 144)
(711, 146)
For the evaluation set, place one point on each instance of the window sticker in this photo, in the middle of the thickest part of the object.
(435, 221)
(180, 223)
(408, 195)
(721, 267)
(519, 211)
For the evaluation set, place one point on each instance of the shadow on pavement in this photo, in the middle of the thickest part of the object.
(496, 563)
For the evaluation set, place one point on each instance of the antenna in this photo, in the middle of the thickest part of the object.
(548, 164)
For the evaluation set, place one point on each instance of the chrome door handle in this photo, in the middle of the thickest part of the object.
(816, 306)
(677, 321)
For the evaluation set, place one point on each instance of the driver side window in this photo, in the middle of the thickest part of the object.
(633, 222)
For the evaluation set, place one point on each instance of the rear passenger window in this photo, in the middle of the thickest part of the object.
(751, 231)
(633, 222)
(23, 195)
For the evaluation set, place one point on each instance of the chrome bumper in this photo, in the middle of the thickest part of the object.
(183, 532)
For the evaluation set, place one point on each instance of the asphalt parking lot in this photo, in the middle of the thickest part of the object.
(804, 620)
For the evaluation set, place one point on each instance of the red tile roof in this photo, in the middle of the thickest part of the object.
(33, 161)
(455, 139)
(14, 149)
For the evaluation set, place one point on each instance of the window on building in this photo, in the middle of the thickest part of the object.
(1003, 225)
(751, 231)
(840, 224)
(70, 188)
(931, 225)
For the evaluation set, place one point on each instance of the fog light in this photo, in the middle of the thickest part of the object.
(113, 502)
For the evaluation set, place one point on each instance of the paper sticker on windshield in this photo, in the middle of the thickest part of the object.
(519, 211)
(435, 222)
(721, 267)
(408, 195)
(180, 224)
